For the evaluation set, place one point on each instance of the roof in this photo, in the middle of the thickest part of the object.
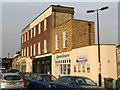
(46, 10)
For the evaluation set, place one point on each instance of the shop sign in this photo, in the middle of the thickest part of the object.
(81, 59)
(62, 56)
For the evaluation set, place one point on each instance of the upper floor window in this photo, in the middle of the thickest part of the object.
(24, 51)
(65, 39)
(39, 28)
(39, 48)
(31, 32)
(25, 38)
(31, 50)
(45, 24)
(28, 35)
(34, 31)
(22, 38)
(45, 46)
(34, 50)
(57, 41)
(27, 51)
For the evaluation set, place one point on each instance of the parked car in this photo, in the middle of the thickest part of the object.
(26, 79)
(3, 70)
(74, 83)
(12, 71)
(39, 81)
(11, 81)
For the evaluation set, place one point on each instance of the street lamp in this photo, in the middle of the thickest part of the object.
(91, 11)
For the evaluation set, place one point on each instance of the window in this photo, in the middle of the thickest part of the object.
(39, 28)
(57, 41)
(31, 33)
(22, 38)
(34, 31)
(39, 48)
(34, 50)
(27, 51)
(24, 51)
(45, 24)
(28, 35)
(65, 39)
(45, 46)
(25, 38)
(31, 50)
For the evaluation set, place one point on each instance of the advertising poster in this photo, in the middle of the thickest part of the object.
(88, 68)
(83, 68)
(79, 68)
(75, 69)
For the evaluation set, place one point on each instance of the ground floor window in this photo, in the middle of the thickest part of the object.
(64, 67)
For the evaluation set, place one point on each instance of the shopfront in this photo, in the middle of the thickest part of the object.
(23, 66)
(42, 65)
(84, 62)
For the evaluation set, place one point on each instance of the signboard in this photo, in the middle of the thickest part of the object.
(81, 59)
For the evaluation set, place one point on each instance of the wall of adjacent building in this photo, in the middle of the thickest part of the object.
(108, 62)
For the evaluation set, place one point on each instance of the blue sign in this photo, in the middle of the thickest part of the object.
(62, 56)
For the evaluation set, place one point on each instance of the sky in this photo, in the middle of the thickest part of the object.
(17, 15)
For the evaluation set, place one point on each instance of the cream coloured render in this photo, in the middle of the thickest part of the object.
(108, 62)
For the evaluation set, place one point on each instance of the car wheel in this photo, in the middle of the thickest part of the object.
(44, 88)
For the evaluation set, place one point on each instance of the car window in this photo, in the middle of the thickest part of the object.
(61, 80)
(1, 75)
(69, 81)
(39, 77)
(48, 78)
(90, 82)
(33, 76)
(12, 77)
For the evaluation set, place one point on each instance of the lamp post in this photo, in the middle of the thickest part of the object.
(91, 11)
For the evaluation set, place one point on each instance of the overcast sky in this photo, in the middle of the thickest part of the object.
(16, 15)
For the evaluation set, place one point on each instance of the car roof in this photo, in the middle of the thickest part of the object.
(5, 74)
(75, 76)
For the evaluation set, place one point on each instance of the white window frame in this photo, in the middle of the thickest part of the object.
(57, 42)
(34, 31)
(27, 51)
(45, 24)
(39, 28)
(24, 51)
(39, 48)
(31, 32)
(25, 38)
(64, 39)
(45, 46)
(28, 35)
(31, 50)
(22, 39)
(34, 50)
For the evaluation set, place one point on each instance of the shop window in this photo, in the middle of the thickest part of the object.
(64, 67)
(57, 41)
(68, 69)
(61, 69)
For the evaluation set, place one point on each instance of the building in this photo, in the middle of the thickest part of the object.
(36, 38)
(118, 60)
(84, 62)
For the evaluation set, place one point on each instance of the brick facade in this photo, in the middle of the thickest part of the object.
(77, 35)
